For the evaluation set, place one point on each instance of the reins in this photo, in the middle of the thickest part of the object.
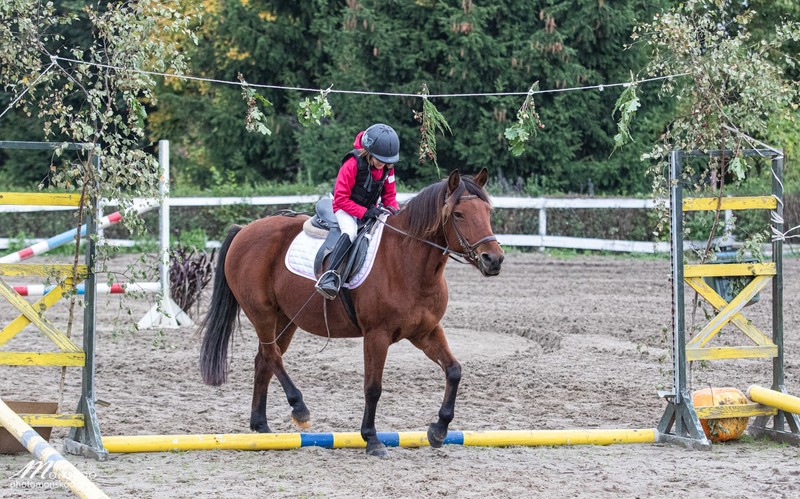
(469, 256)
(430, 243)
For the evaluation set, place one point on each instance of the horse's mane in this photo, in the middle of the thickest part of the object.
(430, 209)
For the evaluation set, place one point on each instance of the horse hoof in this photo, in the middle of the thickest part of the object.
(377, 450)
(436, 436)
(260, 428)
(303, 425)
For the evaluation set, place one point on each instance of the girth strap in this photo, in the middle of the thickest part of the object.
(346, 294)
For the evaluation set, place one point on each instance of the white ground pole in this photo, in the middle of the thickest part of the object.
(166, 314)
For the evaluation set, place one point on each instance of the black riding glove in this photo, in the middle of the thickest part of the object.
(372, 213)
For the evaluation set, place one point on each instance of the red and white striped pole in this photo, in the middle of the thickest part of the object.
(103, 289)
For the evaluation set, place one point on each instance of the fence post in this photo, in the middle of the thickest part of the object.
(542, 225)
(167, 314)
(163, 218)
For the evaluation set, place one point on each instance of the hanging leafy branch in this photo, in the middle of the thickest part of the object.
(311, 112)
(255, 120)
(431, 121)
(527, 125)
(626, 105)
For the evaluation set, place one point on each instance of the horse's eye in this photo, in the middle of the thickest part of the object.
(458, 215)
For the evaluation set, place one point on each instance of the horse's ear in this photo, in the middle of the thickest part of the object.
(453, 181)
(482, 177)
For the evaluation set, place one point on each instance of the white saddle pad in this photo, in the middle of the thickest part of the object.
(304, 248)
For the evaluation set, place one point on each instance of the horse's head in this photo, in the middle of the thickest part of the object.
(466, 218)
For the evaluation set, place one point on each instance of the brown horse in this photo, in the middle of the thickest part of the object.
(404, 297)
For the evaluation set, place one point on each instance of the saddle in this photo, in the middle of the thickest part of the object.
(323, 225)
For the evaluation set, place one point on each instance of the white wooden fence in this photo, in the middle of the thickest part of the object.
(542, 239)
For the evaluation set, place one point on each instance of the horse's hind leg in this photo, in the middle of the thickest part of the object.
(435, 346)
(269, 361)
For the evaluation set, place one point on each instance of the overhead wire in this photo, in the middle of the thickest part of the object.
(30, 86)
(55, 58)
(600, 87)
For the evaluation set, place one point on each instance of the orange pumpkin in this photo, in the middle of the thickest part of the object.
(721, 430)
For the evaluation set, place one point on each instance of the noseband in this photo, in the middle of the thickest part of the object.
(469, 254)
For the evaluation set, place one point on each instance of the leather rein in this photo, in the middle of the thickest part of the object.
(468, 255)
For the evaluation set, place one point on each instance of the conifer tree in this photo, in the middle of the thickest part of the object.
(396, 47)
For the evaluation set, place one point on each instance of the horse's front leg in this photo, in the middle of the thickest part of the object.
(435, 346)
(258, 409)
(376, 347)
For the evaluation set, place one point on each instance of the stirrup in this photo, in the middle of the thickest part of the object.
(330, 289)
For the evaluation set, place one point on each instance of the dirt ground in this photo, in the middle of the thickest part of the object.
(551, 343)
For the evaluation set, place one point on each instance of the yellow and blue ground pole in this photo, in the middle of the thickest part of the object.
(285, 441)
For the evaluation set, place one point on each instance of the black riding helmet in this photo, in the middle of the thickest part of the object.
(382, 142)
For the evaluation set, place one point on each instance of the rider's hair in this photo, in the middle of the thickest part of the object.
(366, 155)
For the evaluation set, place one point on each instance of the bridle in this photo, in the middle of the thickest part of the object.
(468, 255)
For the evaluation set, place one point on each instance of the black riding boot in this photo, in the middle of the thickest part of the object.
(330, 281)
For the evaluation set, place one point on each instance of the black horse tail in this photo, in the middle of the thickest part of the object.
(218, 325)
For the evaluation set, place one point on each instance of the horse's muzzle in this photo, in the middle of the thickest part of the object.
(489, 263)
